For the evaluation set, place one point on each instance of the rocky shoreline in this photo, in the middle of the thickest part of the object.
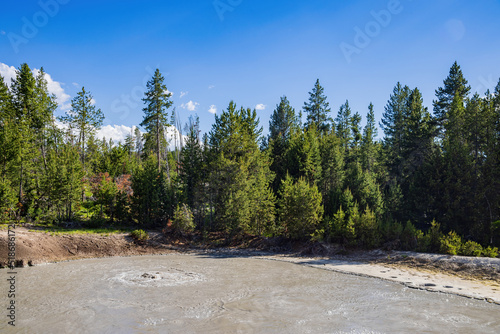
(477, 278)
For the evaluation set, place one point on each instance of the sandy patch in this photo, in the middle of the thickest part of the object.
(422, 279)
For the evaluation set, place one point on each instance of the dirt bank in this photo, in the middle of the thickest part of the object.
(34, 248)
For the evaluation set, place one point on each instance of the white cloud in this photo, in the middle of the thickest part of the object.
(183, 94)
(260, 106)
(118, 133)
(92, 102)
(76, 84)
(213, 109)
(191, 106)
(7, 72)
(54, 87)
(211, 87)
(169, 92)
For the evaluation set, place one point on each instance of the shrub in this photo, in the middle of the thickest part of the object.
(300, 207)
(490, 252)
(423, 242)
(434, 236)
(391, 230)
(343, 228)
(471, 248)
(366, 230)
(409, 239)
(139, 235)
(183, 220)
(451, 243)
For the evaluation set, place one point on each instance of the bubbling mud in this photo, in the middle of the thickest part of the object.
(219, 294)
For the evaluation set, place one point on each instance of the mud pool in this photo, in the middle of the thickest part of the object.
(217, 294)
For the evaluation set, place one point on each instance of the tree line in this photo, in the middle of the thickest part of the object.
(431, 183)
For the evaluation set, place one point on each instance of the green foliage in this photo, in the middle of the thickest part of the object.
(139, 235)
(317, 109)
(343, 228)
(391, 232)
(152, 199)
(443, 167)
(155, 119)
(282, 126)
(84, 118)
(366, 228)
(413, 239)
(183, 220)
(434, 236)
(300, 209)
(303, 156)
(490, 252)
(471, 248)
(451, 243)
(7, 199)
(454, 85)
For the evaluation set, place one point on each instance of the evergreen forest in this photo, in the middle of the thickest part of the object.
(430, 184)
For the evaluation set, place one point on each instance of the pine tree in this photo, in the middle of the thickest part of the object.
(393, 124)
(24, 95)
(8, 152)
(282, 126)
(303, 156)
(300, 208)
(239, 176)
(458, 179)
(368, 145)
(191, 172)
(317, 109)
(152, 200)
(454, 84)
(24, 100)
(332, 172)
(83, 118)
(6, 108)
(344, 125)
(156, 115)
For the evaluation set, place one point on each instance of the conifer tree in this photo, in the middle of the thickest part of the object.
(454, 84)
(157, 100)
(191, 172)
(332, 172)
(84, 118)
(393, 124)
(343, 123)
(368, 145)
(303, 156)
(282, 126)
(300, 208)
(318, 109)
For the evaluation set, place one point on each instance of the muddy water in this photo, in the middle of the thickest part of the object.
(206, 294)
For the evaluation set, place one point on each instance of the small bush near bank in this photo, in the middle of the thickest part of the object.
(451, 243)
(490, 252)
(471, 248)
(183, 220)
(139, 235)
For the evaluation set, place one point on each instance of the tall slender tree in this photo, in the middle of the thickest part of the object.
(368, 145)
(84, 118)
(454, 84)
(318, 109)
(157, 100)
(282, 126)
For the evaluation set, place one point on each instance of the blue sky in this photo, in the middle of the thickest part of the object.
(249, 51)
